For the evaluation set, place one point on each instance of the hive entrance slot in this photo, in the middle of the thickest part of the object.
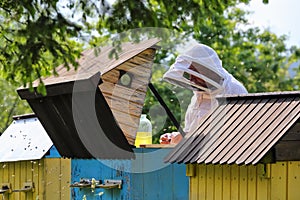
(27, 187)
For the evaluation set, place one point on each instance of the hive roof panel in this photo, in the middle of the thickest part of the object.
(241, 130)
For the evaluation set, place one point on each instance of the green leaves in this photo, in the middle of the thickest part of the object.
(258, 58)
(38, 35)
(10, 104)
(35, 39)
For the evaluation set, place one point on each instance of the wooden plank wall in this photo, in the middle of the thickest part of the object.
(57, 178)
(51, 178)
(168, 182)
(261, 182)
(127, 103)
(288, 146)
(160, 180)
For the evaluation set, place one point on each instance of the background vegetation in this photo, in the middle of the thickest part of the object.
(38, 35)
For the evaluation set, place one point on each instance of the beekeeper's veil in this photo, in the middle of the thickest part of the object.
(208, 67)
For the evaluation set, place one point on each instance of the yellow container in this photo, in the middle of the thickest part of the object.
(144, 134)
(143, 138)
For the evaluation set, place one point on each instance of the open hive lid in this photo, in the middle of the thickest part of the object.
(24, 139)
(243, 129)
(94, 112)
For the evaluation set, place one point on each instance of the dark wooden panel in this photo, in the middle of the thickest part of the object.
(293, 133)
(287, 150)
(59, 125)
(81, 128)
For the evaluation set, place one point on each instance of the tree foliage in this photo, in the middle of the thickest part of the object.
(258, 58)
(37, 35)
(10, 104)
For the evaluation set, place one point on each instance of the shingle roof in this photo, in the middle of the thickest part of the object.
(92, 63)
(241, 130)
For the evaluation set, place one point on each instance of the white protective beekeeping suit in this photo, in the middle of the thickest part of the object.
(208, 67)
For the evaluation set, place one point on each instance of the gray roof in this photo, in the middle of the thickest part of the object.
(241, 130)
(24, 139)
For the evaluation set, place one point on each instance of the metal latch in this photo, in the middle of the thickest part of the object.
(5, 188)
(86, 183)
(27, 187)
(109, 184)
(92, 183)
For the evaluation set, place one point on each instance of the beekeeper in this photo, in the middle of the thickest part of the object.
(200, 69)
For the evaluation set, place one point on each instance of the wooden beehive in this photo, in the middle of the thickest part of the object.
(140, 178)
(278, 180)
(246, 148)
(94, 111)
(31, 168)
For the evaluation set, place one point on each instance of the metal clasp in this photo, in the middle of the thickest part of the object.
(27, 187)
(109, 184)
(5, 188)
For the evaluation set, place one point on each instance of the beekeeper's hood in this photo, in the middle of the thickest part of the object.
(208, 67)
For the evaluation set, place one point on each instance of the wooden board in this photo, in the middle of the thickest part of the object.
(157, 145)
(126, 102)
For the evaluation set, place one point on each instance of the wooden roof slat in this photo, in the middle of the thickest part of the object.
(280, 123)
(253, 129)
(142, 70)
(272, 143)
(111, 76)
(260, 135)
(129, 120)
(124, 105)
(217, 132)
(134, 62)
(238, 133)
(190, 137)
(213, 126)
(111, 87)
(230, 133)
(208, 123)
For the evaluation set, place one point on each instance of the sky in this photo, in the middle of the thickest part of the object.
(280, 16)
